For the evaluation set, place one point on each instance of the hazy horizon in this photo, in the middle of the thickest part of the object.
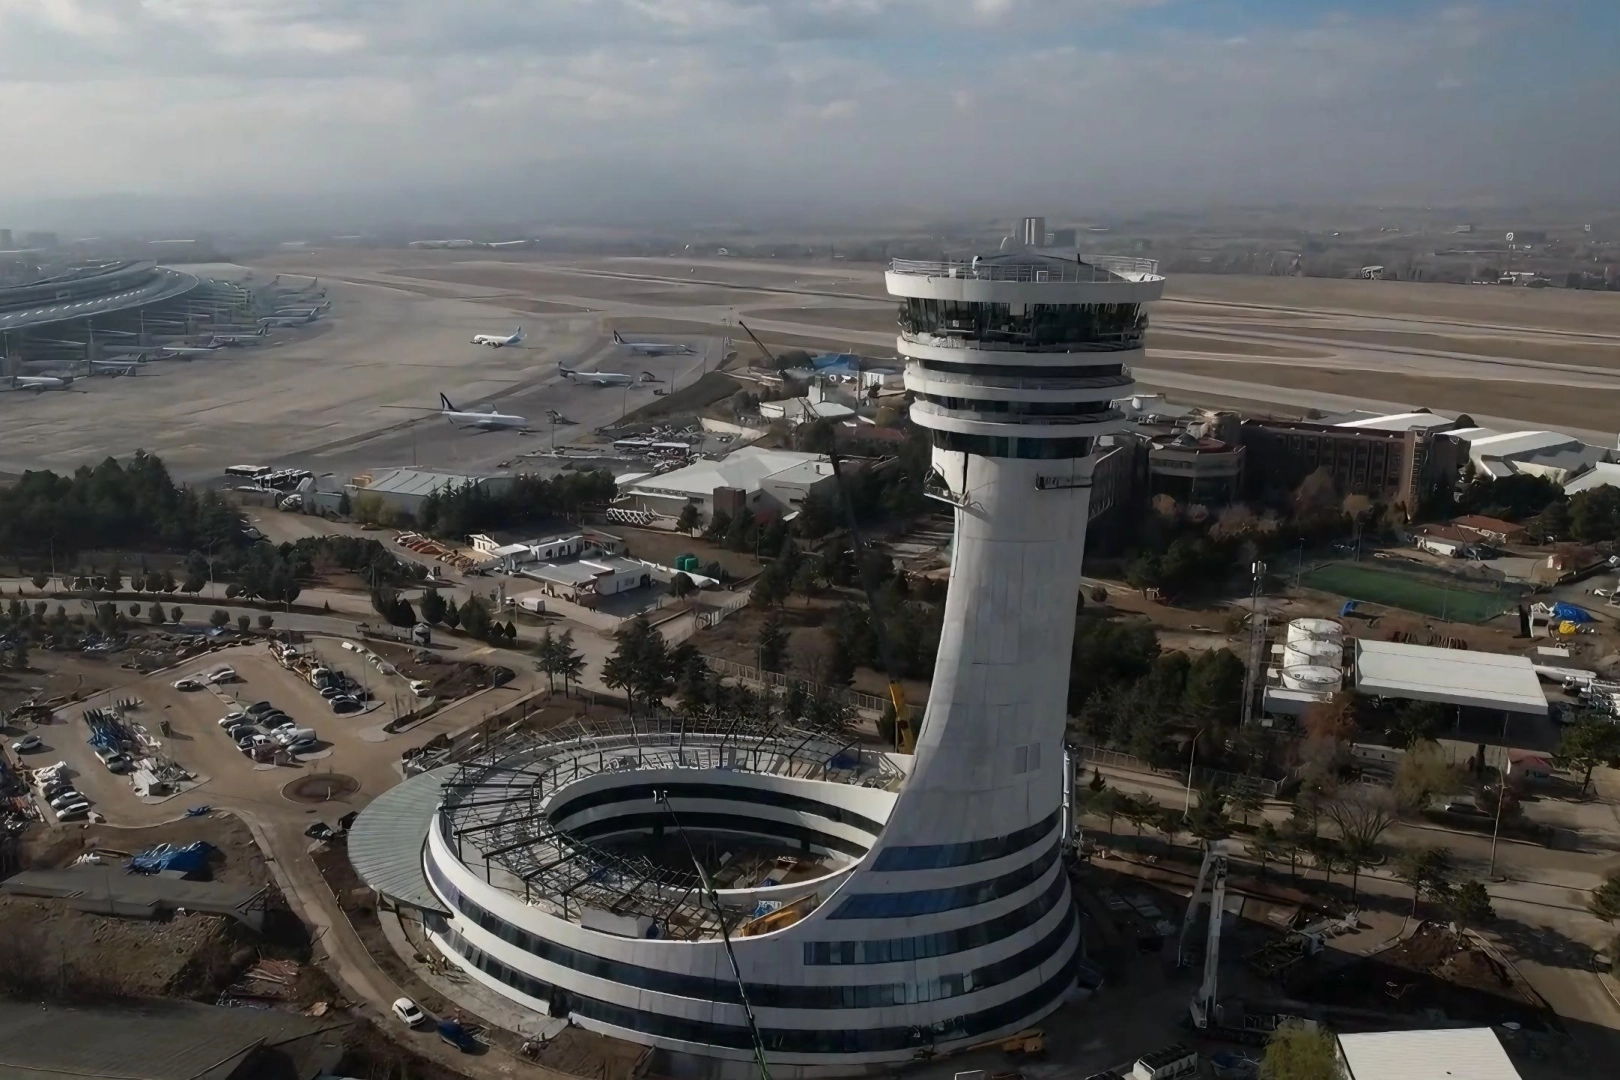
(362, 111)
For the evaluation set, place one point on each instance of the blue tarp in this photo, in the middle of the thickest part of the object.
(191, 859)
(838, 360)
(1570, 613)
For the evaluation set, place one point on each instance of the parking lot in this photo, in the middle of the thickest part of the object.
(185, 724)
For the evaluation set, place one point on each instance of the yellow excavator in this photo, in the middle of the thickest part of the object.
(905, 735)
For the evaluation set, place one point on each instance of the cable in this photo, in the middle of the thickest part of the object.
(725, 936)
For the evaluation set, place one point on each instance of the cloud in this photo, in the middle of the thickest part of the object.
(943, 103)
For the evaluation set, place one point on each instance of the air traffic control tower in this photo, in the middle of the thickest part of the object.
(857, 909)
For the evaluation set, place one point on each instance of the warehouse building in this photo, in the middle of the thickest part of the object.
(404, 490)
(751, 479)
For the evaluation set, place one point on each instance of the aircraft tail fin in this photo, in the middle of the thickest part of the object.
(617, 340)
(446, 405)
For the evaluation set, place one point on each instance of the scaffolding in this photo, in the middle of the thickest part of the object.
(494, 815)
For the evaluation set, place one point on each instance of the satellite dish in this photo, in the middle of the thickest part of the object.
(1510, 238)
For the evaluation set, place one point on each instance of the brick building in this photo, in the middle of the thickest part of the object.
(1398, 468)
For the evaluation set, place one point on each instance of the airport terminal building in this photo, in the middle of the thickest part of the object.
(879, 906)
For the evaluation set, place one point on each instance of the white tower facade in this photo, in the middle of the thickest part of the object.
(938, 914)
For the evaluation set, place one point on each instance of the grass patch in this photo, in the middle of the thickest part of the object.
(1439, 595)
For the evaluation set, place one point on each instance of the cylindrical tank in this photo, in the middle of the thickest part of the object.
(1317, 629)
(1317, 652)
(1313, 678)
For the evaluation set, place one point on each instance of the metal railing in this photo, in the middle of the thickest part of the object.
(1089, 268)
(864, 702)
(1128, 341)
(1001, 382)
(1201, 776)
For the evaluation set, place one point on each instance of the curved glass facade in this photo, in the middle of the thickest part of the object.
(1096, 326)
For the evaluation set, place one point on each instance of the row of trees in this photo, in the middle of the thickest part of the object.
(113, 505)
(460, 511)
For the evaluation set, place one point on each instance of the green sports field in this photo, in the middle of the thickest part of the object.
(1435, 594)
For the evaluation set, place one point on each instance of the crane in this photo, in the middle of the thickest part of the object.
(1203, 1005)
(905, 736)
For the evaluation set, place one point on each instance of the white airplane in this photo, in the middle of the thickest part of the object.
(596, 378)
(650, 348)
(499, 341)
(485, 417)
(288, 320)
(118, 367)
(233, 339)
(38, 383)
(186, 350)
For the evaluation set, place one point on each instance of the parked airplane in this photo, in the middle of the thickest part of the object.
(650, 348)
(187, 350)
(38, 383)
(233, 340)
(288, 320)
(485, 417)
(118, 367)
(499, 341)
(596, 378)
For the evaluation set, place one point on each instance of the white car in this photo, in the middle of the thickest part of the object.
(65, 799)
(71, 813)
(421, 688)
(408, 1013)
(352, 647)
(26, 743)
(190, 682)
(222, 675)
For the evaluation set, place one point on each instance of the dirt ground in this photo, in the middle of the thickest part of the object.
(1569, 406)
(192, 956)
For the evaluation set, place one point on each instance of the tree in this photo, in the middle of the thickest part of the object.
(681, 586)
(431, 606)
(1267, 844)
(134, 611)
(452, 614)
(1357, 854)
(1424, 772)
(155, 616)
(772, 643)
(244, 623)
(1426, 869)
(545, 658)
(1362, 813)
(113, 580)
(1297, 1052)
(219, 618)
(1415, 722)
(1587, 743)
(1469, 904)
(1140, 810)
(266, 622)
(640, 664)
(176, 614)
(1605, 899)
(687, 522)
(1145, 572)
(570, 661)
(1333, 720)
(344, 507)
(40, 581)
(194, 583)
(167, 584)
(1246, 798)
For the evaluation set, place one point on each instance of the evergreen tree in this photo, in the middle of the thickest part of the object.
(772, 644)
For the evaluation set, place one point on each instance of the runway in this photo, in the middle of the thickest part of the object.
(398, 335)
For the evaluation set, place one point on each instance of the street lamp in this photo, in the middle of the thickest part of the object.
(1192, 753)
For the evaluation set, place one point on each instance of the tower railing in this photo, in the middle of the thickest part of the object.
(1089, 268)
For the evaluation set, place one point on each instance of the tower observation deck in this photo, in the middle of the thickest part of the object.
(921, 904)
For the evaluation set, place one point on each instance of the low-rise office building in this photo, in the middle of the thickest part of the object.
(404, 490)
(1402, 468)
(750, 479)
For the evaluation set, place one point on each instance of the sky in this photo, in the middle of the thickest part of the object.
(568, 109)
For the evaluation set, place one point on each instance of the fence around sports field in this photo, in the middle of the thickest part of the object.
(1476, 596)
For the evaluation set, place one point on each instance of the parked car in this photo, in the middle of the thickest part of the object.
(320, 830)
(248, 742)
(27, 744)
(277, 722)
(67, 798)
(345, 704)
(189, 683)
(330, 692)
(421, 688)
(457, 1036)
(352, 647)
(74, 812)
(222, 675)
(230, 720)
(259, 708)
(405, 1008)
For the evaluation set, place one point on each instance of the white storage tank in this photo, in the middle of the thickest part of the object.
(1313, 678)
(1319, 652)
(1315, 630)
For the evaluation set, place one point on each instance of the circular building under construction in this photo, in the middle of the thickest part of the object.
(762, 892)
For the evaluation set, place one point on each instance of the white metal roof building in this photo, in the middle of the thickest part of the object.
(1445, 1054)
(768, 479)
(406, 489)
(1449, 676)
(1426, 421)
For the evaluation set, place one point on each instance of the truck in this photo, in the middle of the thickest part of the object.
(457, 1036)
(420, 634)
